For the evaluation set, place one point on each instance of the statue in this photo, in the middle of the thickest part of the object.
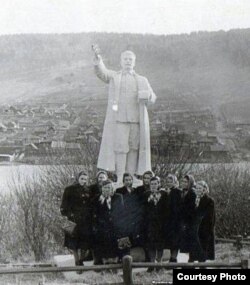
(125, 145)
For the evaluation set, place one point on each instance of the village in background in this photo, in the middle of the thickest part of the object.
(52, 104)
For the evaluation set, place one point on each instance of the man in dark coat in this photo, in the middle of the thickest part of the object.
(133, 217)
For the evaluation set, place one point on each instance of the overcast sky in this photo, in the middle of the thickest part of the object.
(135, 16)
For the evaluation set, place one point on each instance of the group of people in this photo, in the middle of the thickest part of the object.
(109, 221)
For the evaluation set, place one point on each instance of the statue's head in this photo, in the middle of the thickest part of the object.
(128, 60)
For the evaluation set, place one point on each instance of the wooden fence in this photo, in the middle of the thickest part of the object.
(238, 241)
(128, 265)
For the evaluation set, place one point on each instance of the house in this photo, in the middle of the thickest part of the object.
(204, 143)
(58, 144)
(202, 133)
(63, 124)
(62, 114)
(73, 146)
(26, 123)
(212, 137)
(40, 131)
(219, 153)
(8, 152)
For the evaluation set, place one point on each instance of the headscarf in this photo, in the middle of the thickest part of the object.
(205, 186)
(78, 175)
(205, 190)
(155, 197)
(191, 181)
(104, 199)
(148, 172)
(101, 172)
(174, 179)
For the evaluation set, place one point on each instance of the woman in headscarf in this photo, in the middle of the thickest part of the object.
(155, 217)
(172, 225)
(106, 224)
(96, 188)
(147, 175)
(189, 242)
(205, 219)
(76, 206)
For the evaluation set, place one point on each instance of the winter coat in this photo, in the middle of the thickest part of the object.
(132, 218)
(155, 217)
(107, 227)
(94, 191)
(206, 210)
(172, 225)
(76, 206)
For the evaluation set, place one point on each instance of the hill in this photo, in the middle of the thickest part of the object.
(204, 68)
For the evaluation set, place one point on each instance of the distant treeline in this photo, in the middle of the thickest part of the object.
(198, 49)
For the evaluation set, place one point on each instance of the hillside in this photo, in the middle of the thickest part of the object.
(205, 68)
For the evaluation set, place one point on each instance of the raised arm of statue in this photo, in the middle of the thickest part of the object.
(100, 69)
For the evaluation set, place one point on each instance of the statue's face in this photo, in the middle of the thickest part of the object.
(127, 61)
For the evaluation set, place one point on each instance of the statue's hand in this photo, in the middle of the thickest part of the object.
(96, 51)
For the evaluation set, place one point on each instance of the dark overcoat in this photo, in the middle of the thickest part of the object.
(172, 224)
(94, 191)
(132, 219)
(141, 189)
(76, 206)
(107, 227)
(190, 221)
(206, 210)
(155, 217)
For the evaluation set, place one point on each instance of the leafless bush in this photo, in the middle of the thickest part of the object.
(230, 188)
(30, 219)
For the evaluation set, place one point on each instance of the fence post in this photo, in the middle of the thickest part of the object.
(238, 242)
(127, 270)
(245, 264)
